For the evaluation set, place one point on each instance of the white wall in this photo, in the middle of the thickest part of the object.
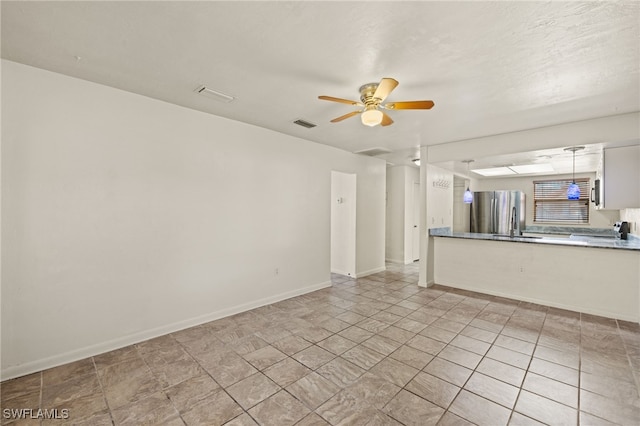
(597, 218)
(437, 186)
(461, 210)
(124, 217)
(633, 217)
(400, 203)
(411, 219)
(343, 223)
(394, 248)
(439, 197)
(370, 207)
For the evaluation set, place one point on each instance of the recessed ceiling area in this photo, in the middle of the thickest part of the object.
(558, 159)
(490, 67)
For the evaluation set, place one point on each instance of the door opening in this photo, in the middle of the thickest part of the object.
(343, 223)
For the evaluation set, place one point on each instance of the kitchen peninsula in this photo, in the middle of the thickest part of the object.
(568, 273)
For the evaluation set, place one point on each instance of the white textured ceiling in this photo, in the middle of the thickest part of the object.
(490, 67)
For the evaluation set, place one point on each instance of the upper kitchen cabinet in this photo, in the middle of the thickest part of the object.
(621, 178)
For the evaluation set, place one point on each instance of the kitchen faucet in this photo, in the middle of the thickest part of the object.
(512, 228)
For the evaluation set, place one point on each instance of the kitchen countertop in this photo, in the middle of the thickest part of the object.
(582, 240)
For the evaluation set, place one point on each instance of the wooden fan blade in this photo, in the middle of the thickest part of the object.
(342, 101)
(344, 117)
(386, 120)
(410, 105)
(384, 88)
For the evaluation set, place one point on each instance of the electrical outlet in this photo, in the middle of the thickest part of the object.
(277, 271)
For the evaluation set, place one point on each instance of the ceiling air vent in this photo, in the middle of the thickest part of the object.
(372, 152)
(303, 123)
(218, 96)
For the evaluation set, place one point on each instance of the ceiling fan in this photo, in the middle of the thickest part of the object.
(371, 97)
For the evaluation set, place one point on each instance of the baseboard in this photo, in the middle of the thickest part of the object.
(370, 272)
(400, 261)
(597, 312)
(426, 284)
(337, 271)
(93, 350)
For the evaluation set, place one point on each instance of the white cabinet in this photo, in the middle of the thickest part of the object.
(621, 178)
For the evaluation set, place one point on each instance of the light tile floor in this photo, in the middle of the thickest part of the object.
(373, 351)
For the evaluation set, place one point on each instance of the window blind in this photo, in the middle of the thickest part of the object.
(551, 204)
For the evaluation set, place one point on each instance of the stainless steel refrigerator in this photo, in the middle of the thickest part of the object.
(494, 212)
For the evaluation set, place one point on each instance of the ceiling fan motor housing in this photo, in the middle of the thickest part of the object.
(366, 94)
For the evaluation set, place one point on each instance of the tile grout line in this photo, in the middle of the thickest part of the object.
(41, 396)
(417, 373)
(155, 376)
(104, 394)
(476, 367)
(468, 378)
(447, 409)
(385, 356)
(580, 367)
(388, 356)
(636, 378)
(186, 349)
(521, 387)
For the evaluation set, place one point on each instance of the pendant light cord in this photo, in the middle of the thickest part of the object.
(574, 166)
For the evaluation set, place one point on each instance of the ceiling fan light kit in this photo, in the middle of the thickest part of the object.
(371, 97)
(371, 117)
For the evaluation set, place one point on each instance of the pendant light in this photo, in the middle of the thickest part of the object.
(573, 192)
(468, 195)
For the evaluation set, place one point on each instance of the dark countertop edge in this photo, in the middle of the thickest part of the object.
(633, 243)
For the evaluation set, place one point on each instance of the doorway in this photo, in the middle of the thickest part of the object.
(343, 223)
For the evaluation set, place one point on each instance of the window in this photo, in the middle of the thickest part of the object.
(551, 204)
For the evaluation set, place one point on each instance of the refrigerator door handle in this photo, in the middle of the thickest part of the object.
(493, 215)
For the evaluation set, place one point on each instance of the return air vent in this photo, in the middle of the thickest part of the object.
(372, 152)
(303, 123)
(210, 93)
